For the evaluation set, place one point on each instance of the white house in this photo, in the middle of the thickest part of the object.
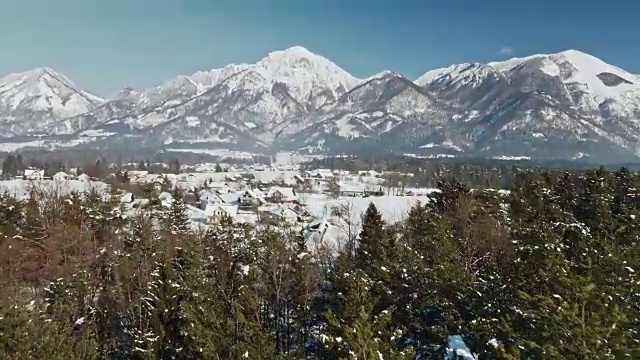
(301, 212)
(208, 198)
(279, 212)
(34, 174)
(320, 174)
(166, 199)
(137, 175)
(218, 186)
(127, 198)
(252, 198)
(61, 176)
(323, 234)
(217, 211)
(232, 198)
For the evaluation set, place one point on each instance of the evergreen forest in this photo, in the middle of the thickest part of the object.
(548, 270)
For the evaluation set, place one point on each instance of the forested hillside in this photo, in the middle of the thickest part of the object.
(545, 271)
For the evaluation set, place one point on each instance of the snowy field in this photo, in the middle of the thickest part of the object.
(43, 144)
(284, 158)
(392, 208)
(333, 230)
(222, 153)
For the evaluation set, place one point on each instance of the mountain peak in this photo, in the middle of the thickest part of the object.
(303, 72)
(296, 51)
(295, 56)
(574, 52)
(577, 57)
(45, 95)
(125, 93)
(40, 71)
(383, 75)
(52, 78)
(37, 73)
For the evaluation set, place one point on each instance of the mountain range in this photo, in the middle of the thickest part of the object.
(567, 105)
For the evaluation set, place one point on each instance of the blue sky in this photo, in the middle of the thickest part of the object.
(104, 45)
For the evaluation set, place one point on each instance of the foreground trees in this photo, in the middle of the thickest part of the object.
(546, 271)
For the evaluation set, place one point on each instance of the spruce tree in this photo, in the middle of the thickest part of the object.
(372, 240)
(175, 217)
(354, 329)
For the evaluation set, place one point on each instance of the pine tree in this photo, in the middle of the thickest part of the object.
(354, 328)
(26, 334)
(304, 285)
(164, 329)
(372, 240)
(9, 167)
(176, 218)
(434, 284)
(226, 312)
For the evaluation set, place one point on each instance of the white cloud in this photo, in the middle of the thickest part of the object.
(506, 51)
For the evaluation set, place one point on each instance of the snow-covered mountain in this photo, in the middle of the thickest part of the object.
(559, 105)
(563, 105)
(30, 101)
(254, 102)
(387, 112)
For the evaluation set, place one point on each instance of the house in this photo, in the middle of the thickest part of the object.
(127, 198)
(61, 176)
(166, 199)
(218, 187)
(284, 213)
(196, 215)
(302, 215)
(34, 174)
(368, 173)
(252, 198)
(232, 198)
(323, 234)
(84, 178)
(137, 175)
(247, 177)
(352, 190)
(218, 211)
(277, 194)
(206, 197)
(319, 174)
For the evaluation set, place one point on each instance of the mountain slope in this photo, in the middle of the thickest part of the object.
(386, 112)
(31, 101)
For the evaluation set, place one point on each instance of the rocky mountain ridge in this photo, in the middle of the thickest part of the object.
(559, 106)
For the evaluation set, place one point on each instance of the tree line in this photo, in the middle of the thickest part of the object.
(545, 271)
(403, 171)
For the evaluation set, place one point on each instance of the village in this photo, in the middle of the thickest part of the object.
(327, 205)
